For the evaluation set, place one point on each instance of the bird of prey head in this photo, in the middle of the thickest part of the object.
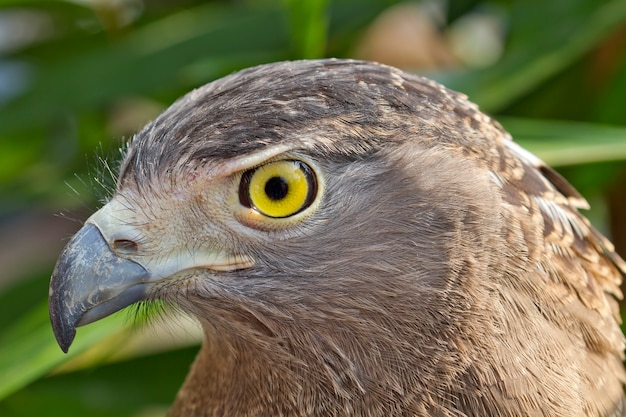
(354, 241)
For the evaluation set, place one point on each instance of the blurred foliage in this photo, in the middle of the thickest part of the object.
(77, 78)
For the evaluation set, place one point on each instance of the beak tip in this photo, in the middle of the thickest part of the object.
(63, 330)
(65, 339)
(90, 282)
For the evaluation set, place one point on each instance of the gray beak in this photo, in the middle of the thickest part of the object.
(90, 282)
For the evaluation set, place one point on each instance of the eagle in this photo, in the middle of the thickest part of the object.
(354, 240)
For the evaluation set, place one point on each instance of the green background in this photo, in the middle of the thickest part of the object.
(78, 78)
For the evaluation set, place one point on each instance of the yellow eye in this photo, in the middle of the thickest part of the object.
(278, 189)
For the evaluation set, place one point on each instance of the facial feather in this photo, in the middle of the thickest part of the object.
(439, 269)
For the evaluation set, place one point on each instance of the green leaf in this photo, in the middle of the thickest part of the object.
(28, 348)
(131, 388)
(561, 143)
(546, 37)
(148, 59)
(308, 27)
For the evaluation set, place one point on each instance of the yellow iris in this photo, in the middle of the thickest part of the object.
(280, 189)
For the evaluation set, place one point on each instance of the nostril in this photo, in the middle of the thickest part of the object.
(125, 246)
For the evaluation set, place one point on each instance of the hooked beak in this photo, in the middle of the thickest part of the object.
(90, 282)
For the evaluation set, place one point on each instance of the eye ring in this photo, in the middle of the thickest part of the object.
(278, 189)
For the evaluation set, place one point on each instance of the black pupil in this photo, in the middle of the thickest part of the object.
(276, 188)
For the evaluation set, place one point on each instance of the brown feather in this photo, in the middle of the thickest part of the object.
(446, 272)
